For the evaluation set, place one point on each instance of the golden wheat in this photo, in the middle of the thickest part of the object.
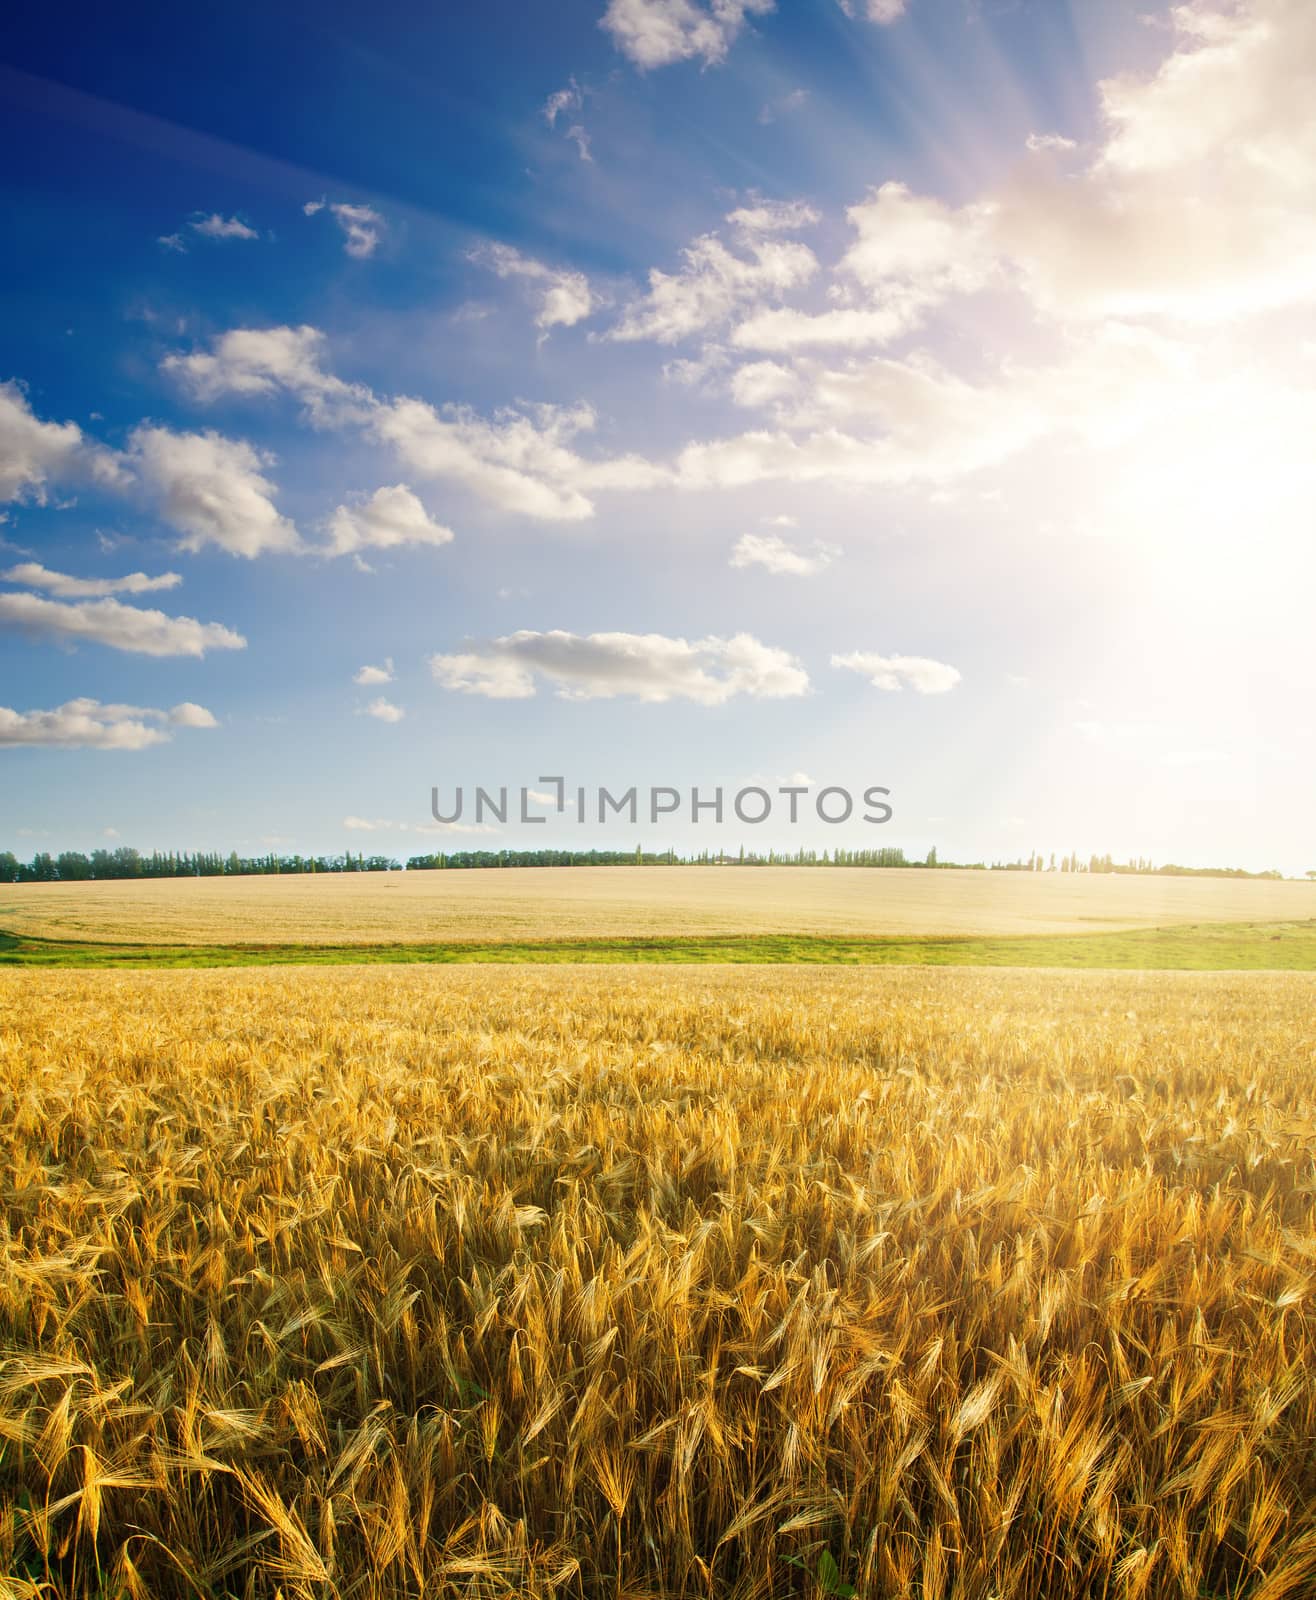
(640, 1282)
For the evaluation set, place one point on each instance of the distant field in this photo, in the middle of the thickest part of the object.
(556, 903)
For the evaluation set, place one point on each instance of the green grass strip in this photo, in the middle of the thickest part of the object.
(1205, 947)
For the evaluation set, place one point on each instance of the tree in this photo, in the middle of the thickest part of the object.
(932, 857)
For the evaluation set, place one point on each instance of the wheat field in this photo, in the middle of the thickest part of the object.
(608, 902)
(381, 1282)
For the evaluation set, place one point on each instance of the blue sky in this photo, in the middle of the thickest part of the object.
(657, 391)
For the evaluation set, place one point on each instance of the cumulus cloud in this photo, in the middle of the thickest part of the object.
(647, 666)
(35, 455)
(912, 420)
(716, 283)
(519, 461)
(778, 556)
(212, 490)
(516, 462)
(763, 383)
(911, 254)
(265, 361)
(390, 518)
(1198, 205)
(384, 710)
(217, 227)
(110, 622)
(564, 298)
(32, 575)
(191, 715)
(373, 675)
(87, 724)
(894, 673)
(656, 33)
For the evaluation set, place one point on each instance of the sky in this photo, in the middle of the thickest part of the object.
(696, 393)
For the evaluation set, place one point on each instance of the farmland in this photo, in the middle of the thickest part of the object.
(587, 1281)
(540, 904)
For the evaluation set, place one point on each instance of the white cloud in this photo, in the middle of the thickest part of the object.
(911, 254)
(190, 715)
(368, 676)
(773, 216)
(879, 11)
(893, 673)
(564, 297)
(34, 576)
(263, 361)
(1198, 207)
(916, 422)
(217, 227)
(390, 518)
(1050, 141)
(656, 33)
(650, 667)
(110, 622)
(517, 460)
(87, 724)
(174, 242)
(362, 226)
(763, 383)
(384, 710)
(385, 825)
(714, 284)
(776, 555)
(34, 455)
(785, 329)
(211, 490)
(580, 138)
(562, 101)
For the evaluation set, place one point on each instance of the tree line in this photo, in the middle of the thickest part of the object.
(73, 866)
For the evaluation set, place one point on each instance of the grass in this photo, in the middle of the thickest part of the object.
(1284, 947)
(574, 1284)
